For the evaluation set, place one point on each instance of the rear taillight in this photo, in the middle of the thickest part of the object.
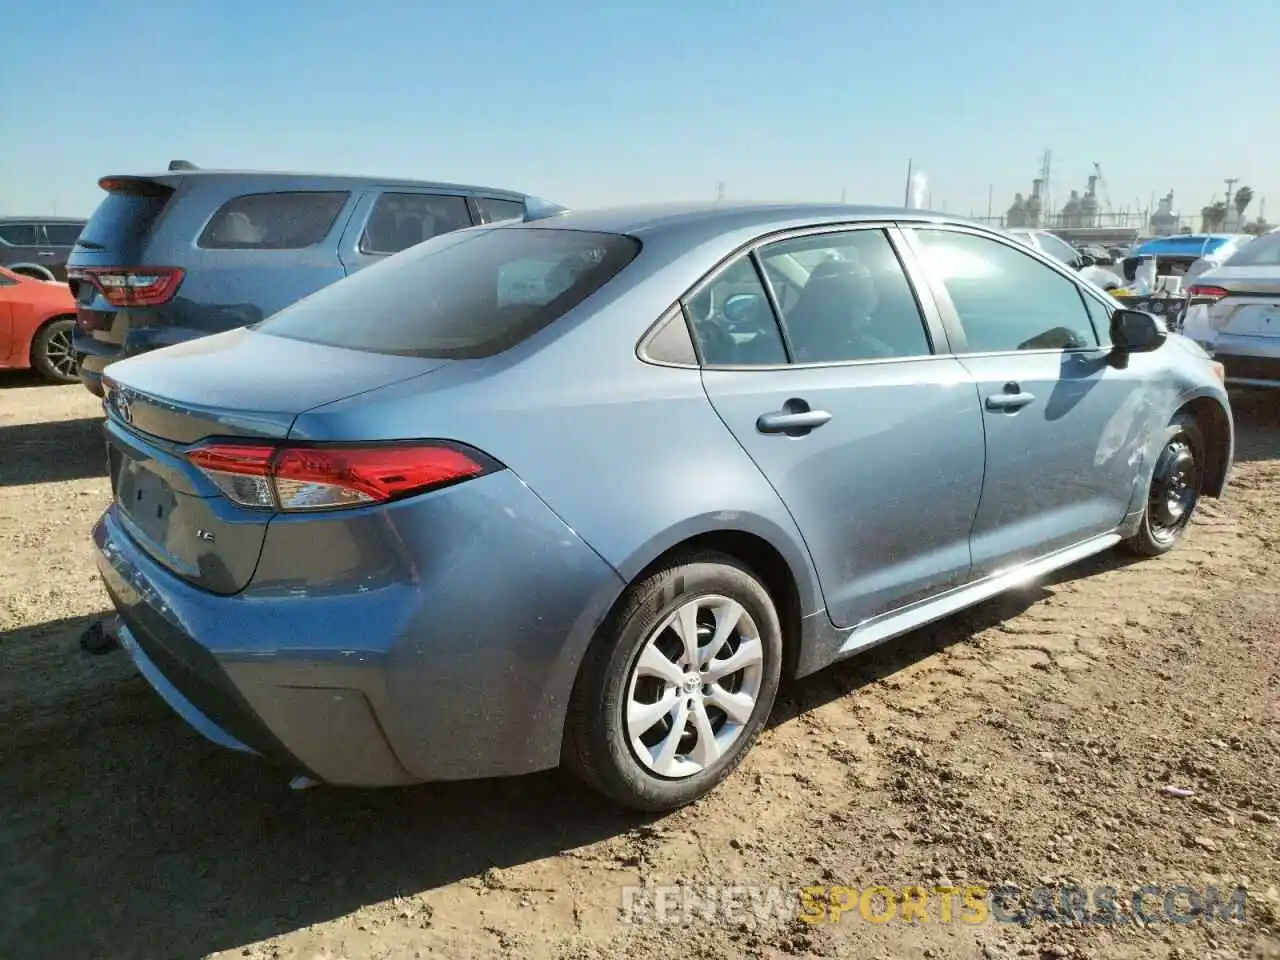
(326, 477)
(132, 286)
(1203, 292)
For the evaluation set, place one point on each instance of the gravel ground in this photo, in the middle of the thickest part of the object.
(1026, 741)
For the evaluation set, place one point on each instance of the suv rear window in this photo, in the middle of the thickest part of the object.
(273, 221)
(460, 295)
(123, 218)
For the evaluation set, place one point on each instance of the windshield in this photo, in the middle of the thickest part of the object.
(471, 293)
(1263, 252)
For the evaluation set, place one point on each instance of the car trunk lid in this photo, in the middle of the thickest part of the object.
(1247, 299)
(241, 384)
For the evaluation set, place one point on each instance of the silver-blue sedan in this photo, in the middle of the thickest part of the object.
(583, 490)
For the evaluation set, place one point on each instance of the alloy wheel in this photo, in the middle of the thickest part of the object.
(61, 354)
(694, 686)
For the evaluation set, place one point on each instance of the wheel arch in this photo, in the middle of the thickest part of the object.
(40, 327)
(1214, 421)
(783, 568)
(36, 270)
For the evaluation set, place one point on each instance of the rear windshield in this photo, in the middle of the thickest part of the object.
(467, 294)
(122, 220)
(273, 221)
(1263, 252)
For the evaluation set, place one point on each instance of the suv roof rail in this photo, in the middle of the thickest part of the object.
(182, 165)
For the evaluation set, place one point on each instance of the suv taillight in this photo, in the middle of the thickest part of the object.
(301, 477)
(132, 286)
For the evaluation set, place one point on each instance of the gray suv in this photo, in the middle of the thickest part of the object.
(172, 256)
(38, 246)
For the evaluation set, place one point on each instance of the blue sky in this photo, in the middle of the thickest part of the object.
(592, 103)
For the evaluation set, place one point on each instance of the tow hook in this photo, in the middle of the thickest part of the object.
(101, 636)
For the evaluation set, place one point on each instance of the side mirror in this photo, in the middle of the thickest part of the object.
(1084, 260)
(1136, 331)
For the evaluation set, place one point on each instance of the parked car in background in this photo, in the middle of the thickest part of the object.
(434, 522)
(186, 253)
(1054, 246)
(1186, 255)
(36, 320)
(1234, 312)
(38, 246)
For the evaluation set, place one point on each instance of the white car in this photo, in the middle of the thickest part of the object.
(1054, 246)
(1234, 313)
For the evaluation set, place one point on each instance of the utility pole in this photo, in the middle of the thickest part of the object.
(720, 192)
(991, 189)
(843, 194)
(906, 194)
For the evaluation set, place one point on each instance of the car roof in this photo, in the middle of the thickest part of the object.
(311, 180)
(696, 222)
(42, 219)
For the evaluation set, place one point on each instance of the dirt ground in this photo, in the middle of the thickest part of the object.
(1027, 741)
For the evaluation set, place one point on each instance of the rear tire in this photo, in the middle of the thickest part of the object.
(1174, 489)
(53, 353)
(618, 736)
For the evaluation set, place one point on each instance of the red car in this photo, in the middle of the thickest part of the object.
(36, 321)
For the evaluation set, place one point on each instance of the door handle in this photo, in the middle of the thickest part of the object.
(795, 419)
(48, 253)
(1010, 399)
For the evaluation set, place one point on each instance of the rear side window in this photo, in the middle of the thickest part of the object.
(62, 234)
(402, 220)
(461, 295)
(273, 221)
(493, 210)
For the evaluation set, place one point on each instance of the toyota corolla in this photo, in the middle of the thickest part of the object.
(583, 490)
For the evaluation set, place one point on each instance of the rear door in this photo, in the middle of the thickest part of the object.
(852, 408)
(1063, 426)
(20, 244)
(388, 220)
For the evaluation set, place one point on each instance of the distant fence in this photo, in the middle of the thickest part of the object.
(1126, 221)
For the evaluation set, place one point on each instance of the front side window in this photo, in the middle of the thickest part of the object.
(1005, 299)
(19, 234)
(273, 221)
(492, 209)
(460, 295)
(851, 299)
(733, 323)
(62, 234)
(402, 220)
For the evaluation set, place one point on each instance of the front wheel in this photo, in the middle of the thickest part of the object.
(52, 352)
(1174, 490)
(675, 688)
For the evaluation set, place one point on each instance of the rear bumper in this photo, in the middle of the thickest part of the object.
(1249, 361)
(444, 663)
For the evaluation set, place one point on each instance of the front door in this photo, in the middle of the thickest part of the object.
(871, 436)
(1063, 426)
